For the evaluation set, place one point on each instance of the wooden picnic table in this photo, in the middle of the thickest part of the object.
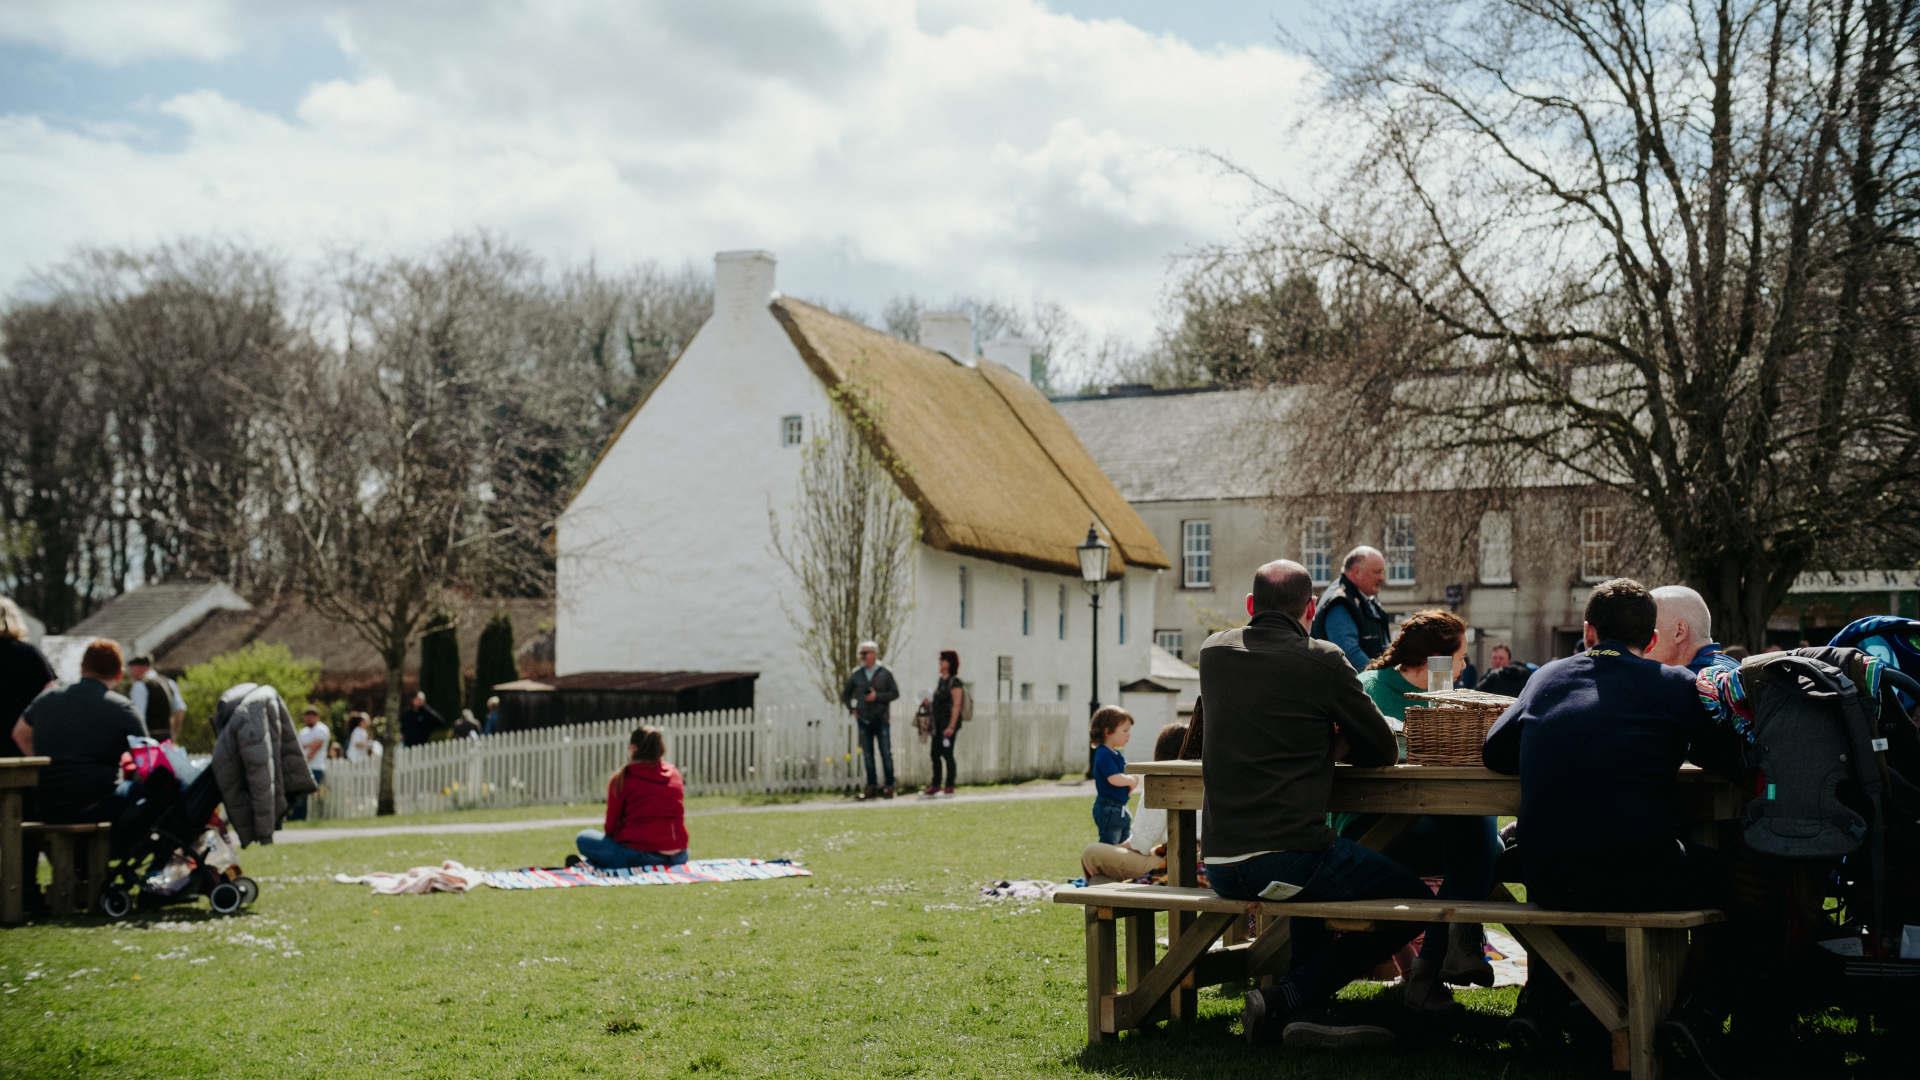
(17, 774)
(1400, 793)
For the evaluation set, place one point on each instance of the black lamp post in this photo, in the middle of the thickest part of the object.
(1093, 576)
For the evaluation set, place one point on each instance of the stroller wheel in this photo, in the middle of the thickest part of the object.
(115, 903)
(249, 889)
(225, 897)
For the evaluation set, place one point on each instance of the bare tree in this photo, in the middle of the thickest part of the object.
(848, 541)
(57, 522)
(1660, 248)
(399, 482)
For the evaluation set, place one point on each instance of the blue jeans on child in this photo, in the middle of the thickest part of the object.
(1345, 871)
(1112, 819)
(608, 854)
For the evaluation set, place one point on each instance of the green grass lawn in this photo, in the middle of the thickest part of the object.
(886, 963)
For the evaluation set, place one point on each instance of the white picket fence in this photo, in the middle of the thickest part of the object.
(738, 751)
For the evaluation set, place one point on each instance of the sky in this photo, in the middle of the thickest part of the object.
(1014, 149)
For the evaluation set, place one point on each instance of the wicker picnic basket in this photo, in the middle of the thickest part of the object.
(1451, 729)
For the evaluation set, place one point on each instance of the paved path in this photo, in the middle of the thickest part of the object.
(1057, 790)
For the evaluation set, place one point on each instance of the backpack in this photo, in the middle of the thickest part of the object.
(1813, 733)
(966, 705)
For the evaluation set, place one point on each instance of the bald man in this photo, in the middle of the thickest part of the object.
(1348, 614)
(1282, 707)
(1685, 629)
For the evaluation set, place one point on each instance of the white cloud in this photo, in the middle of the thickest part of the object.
(877, 147)
(114, 32)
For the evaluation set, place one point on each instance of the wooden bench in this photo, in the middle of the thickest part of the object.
(69, 847)
(1656, 947)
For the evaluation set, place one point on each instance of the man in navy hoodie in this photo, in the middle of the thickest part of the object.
(1598, 740)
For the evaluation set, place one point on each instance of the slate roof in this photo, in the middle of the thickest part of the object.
(127, 617)
(1171, 446)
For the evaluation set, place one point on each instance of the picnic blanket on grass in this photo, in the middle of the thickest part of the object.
(451, 876)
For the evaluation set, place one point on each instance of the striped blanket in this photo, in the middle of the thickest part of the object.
(691, 873)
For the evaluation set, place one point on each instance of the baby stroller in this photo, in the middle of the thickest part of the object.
(170, 845)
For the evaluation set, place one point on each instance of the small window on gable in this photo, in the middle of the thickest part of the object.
(790, 431)
(1174, 641)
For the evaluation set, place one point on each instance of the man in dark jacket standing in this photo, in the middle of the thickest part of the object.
(419, 723)
(1348, 614)
(869, 694)
(1282, 707)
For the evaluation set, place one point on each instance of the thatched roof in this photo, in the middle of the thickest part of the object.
(993, 469)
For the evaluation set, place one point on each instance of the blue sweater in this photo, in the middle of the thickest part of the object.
(1597, 740)
(1106, 762)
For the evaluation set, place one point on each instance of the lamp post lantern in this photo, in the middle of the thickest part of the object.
(1093, 577)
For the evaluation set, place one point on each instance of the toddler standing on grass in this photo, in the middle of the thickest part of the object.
(1108, 734)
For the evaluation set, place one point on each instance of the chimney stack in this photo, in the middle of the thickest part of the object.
(742, 282)
(950, 332)
(1015, 353)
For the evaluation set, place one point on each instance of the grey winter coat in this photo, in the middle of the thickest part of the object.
(257, 760)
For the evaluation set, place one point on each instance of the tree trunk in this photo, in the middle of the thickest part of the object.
(396, 671)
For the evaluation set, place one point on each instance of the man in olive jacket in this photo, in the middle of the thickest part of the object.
(869, 694)
(1282, 707)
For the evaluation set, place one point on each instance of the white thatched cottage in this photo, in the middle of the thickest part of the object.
(665, 560)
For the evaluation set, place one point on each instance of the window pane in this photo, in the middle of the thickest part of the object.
(1174, 641)
(1196, 554)
(1316, 549)
(790, 431)
(1496, 547)
(1399, 549)
(1596, 542)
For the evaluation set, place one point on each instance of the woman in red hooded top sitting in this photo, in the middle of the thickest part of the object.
(646, 812)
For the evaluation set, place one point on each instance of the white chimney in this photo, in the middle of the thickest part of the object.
(742, 282)
(1015, 353)
(950, 332)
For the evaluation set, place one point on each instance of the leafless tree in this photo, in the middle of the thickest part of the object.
(1660, 248)
(848, 540)
(400, 482)
(57, 522)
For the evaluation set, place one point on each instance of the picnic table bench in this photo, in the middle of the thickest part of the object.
(1166, 986)
(16, 776)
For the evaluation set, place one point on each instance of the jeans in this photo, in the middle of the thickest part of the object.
(1345, 871)
(876, 740)
(1460, 849)
(943, 752)
(598, 849)
(1113, 820)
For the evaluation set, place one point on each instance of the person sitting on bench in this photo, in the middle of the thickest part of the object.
(1282, 707)
(1597, 740)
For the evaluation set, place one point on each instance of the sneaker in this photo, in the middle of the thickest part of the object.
(930, 792)
(887, 792)
(946, 791)
(868, 794)
(1322, 1032)
(1258, 1025)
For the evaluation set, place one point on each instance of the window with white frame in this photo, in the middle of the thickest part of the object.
(1597, 525)
(1316, 549)
(1123, 611)
(1196, 554)
(790, 431)
(1063, 613)
(966, 599)
(1398, 548)
(1174, 641)
(1026, 607)
(1496, 548)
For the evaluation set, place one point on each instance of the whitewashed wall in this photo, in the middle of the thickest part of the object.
(664, 560)
(994, 630)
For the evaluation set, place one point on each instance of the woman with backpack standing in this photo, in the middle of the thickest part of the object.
(952, 705)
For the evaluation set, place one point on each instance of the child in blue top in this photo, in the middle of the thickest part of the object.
(1108, 734)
